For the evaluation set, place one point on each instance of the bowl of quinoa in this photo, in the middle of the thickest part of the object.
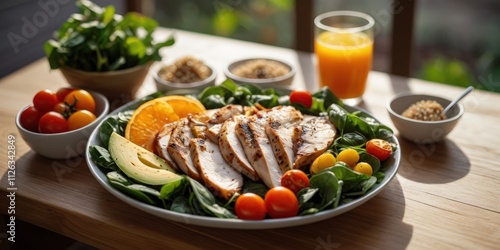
(186, 72)
(420, 118)
(263, 72)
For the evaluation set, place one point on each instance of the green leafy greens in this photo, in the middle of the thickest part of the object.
(97, 39)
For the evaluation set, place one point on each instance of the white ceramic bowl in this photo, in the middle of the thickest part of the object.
(281, 81)
(422, 131)
(163, 85)
(68, 144)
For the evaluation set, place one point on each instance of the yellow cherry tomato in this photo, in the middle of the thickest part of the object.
(80, 118)
(325, 160)
(349, 156)
(364, 168)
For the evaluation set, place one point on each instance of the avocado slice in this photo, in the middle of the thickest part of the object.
(139, 163)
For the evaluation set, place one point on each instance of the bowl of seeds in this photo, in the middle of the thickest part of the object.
(263, 72)
(420, 118)
(185, 73)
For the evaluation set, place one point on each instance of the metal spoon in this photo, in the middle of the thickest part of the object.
(466, 92)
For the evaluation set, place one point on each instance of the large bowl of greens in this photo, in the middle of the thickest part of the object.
(101, 50)
(336, 190)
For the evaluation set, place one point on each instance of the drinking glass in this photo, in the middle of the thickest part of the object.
(343, 46)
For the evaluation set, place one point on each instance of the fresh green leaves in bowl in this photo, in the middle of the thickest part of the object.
(98, 40)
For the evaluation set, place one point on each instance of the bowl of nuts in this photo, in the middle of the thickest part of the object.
(420, 118)
(184, 73)
(262, 72)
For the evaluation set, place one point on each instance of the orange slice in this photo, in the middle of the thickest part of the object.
(183, 105)
(147, 121)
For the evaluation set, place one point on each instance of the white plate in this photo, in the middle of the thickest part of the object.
(236, 223)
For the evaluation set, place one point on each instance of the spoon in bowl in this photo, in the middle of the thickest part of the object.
(454, 102)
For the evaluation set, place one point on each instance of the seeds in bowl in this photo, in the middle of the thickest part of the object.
(261, 69)
(425, 110)
(185, 70)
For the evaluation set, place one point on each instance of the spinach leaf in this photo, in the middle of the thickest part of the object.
(351, 179)
(118, 177)
(173, 189)
(102, 158)
(134, 192)
(370, 159)
(181, 205)
(257, 188)
(327, 184)
(364, 187)
(207, 201)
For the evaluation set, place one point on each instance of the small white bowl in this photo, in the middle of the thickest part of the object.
(284, 80)
(163, 85)
(422, 131)
(68, 144)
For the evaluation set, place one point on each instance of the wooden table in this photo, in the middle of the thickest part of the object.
(444, 196)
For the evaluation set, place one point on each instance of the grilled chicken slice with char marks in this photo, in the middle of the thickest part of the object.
(222, 179)
(233, 151)
(178, 148)
(280, 127)
(314, 135)
(161, 143)
(251, 133)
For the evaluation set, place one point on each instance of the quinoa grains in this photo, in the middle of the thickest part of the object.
(261, 69)
(425, 110)
(185, 70)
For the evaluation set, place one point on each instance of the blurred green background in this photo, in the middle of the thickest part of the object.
(455, 41)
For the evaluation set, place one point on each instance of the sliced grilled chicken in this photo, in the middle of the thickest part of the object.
(212, 133)
(178, 148)
(217, 174)
(233, 151)
(225, 113)
(251, 134)
(280, 127)
(314, 136)
(161, 143)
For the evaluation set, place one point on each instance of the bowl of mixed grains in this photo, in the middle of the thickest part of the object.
(184, 73)
(262, 72)
(420, 118)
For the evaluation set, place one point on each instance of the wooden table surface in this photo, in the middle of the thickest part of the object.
(445, 196)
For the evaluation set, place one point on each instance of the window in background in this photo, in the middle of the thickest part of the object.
(457, 42)
(262, 21)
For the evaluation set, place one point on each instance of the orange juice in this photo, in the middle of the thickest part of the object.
(344, 60)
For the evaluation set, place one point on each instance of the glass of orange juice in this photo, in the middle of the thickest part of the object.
(343, 46)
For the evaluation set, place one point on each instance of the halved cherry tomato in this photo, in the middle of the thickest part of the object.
(52, 122)
(29, 118)
(250, 206)
(281, 202)
(379, 148)
(301, 96)
(295, 180)
(45, 100)
(63, 92)
(80, 118)
(81, 99)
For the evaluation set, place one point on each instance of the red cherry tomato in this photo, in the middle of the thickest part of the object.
(45, 100)
(29, 118)
(281, 202)
(301, 96)
(295, 180)
(379, 148)
(81, 99)
(63, 92)
(250, 206)
(52, 122)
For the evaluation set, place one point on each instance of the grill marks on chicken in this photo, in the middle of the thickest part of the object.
(178, 148)
(314, 136)
(230, 142)
(279, 130)
(232, 150)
